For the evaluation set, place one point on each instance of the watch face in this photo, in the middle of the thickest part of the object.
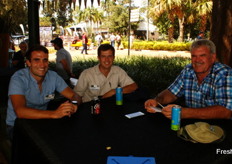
(74, 102)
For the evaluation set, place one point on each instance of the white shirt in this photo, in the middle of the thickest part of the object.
(93, 83)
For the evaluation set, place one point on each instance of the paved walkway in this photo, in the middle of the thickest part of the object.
(124, 53)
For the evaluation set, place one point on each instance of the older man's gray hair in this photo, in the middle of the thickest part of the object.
(204, 42)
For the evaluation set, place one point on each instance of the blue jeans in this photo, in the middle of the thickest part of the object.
(112, 43)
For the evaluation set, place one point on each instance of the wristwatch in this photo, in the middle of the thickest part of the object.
(75, 102)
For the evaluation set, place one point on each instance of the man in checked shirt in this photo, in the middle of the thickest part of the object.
(205, 84)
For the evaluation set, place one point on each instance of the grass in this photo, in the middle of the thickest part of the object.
(154, 73)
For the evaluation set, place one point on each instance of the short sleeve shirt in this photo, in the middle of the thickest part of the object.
(98, 38)
(216, 88)
(92, 82)
(112, 37)
(22, 83)
(60, 55)
(84, 39)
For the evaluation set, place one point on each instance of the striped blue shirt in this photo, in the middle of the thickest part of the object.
(216, 88)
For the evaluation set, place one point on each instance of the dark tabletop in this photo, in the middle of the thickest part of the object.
(87, 139)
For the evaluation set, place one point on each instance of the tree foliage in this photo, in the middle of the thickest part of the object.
(117, 16)
(61, 11)
(12, 14)
(45, 21)
(187, 12)
(91, 15)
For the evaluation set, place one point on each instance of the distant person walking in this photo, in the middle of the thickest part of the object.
(99, 39)
(84, 43)
(118, 41)
(112, 40)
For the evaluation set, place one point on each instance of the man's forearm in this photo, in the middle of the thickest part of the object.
(130, 88)
(212, 112)
(67, 69)
(31, 113)
(71, 95)
(66, 66)
(165, 97)
(77, 98)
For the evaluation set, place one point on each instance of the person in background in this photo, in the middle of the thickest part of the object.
(19, 58)
(205, 84)
(32, 88)
(99, 39)
(201, 35)
(118, 41)
(104, 78)
(63, 60)
(12, 45)
(84, 43)
(112, 39)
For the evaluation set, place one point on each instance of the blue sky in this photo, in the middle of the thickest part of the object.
(135, 2)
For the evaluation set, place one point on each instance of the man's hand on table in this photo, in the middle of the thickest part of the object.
(65, 109)
(167, 110)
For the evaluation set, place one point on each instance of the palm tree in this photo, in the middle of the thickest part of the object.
(158, 8)
(98, 16)
(88, 15)
(181, 9)
(174, 8)
(204, 9)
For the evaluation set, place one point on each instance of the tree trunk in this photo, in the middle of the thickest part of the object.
(221, 30)
(181, 29)
(4, 48)
(171, 27)
(203, 23)
(170, 34)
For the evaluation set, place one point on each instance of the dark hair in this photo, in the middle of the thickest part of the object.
(23, 42)
(35, 48)
(58, 42)
(105, 47)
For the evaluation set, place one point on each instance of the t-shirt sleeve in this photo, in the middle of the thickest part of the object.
(82, 84)
(124, 79)
(17, 86)
(61, 56)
